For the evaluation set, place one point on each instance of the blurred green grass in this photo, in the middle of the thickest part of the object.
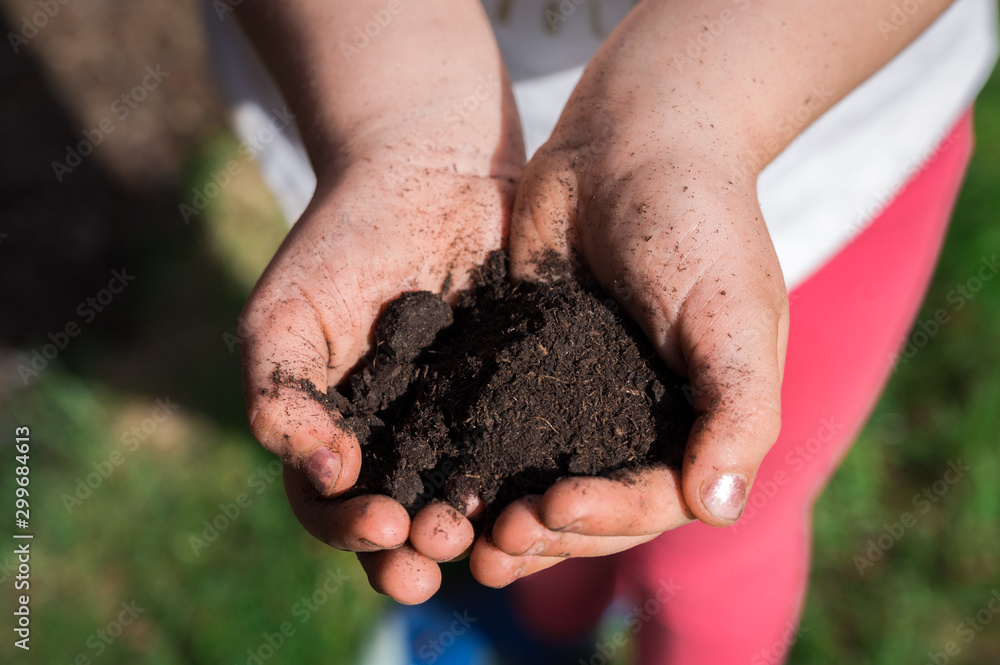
(942, 405)
(131, 539)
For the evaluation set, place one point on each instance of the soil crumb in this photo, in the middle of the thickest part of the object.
(512, 390)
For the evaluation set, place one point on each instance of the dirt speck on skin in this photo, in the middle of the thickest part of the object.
(512, 390)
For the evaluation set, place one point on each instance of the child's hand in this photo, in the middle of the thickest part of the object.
(415, 141)
(670, 227)
(677, 238)
(650, 179)
(384, 227)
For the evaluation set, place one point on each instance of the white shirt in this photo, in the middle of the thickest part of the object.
(825, 187)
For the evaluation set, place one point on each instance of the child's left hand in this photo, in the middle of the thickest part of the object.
(664, 213)
(650, 179)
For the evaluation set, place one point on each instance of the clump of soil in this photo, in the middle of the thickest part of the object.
(515, 388)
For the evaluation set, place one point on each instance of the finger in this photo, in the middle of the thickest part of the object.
(520, 532)
(636, 503)
(404, 574)
(708, 292)
(285, 358)
(440, 532)
(361, 524)
(493, 567)
(735, 373)
(543, 210)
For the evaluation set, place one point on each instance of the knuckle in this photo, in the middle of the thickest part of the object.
(515, 542)
(764, 423)
(266, 417)
(264, 311)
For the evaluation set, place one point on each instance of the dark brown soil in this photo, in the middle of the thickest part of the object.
(514, 389)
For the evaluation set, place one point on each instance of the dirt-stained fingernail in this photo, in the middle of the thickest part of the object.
(323, 469)
(376, 546)
(725, 496)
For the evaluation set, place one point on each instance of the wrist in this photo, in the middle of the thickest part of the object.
(709, 95)
(622, 138)
(430, 141)
(417, 155)
(431, 75)
(749, 77)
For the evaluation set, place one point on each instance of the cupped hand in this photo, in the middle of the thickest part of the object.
(416, 220)
(665, 216)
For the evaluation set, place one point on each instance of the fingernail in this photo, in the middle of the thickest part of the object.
(323, 468)
(572, 527)
(534, 550)
(725, 496)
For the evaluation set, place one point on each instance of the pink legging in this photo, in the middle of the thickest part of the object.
(734, 595)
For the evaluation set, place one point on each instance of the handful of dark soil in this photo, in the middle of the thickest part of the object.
(517, 387)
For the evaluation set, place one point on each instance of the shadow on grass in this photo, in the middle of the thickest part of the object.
(67, 233)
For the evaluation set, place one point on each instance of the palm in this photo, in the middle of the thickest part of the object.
(689, 259)
(382, 230)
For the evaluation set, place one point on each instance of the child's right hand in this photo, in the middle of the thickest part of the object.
(415, 141)
(388, 224)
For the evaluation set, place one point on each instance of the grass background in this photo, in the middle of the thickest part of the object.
(131, 539)
(939, 406)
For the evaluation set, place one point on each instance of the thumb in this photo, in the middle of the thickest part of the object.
(544, 216)
(285, 357)
(735, 373)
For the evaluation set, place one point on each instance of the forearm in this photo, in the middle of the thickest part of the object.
(744, 77)
(374, 76)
